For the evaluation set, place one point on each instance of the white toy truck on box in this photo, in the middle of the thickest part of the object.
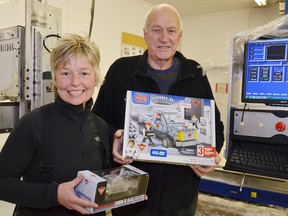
(167, 125)
(169, 129)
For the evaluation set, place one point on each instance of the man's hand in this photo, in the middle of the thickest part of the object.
(204, 170)
(68, 198)
(117, 148)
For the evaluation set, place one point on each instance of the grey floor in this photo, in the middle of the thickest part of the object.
(208, 205)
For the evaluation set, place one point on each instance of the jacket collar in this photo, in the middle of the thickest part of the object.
(76, 110)
(187, 69)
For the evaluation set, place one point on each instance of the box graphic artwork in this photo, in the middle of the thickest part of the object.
(112, 188)
(169, 129)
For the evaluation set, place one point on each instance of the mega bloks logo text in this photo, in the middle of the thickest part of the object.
(140, 98)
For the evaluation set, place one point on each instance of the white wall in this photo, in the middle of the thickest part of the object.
(204, 37)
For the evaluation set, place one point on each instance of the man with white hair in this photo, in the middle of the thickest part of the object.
(172, 189)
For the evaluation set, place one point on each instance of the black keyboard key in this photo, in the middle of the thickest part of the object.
(260, 166)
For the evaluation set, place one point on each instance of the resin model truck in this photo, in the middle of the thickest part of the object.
(111, 188)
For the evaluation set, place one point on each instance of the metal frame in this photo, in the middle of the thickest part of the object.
(252, 188)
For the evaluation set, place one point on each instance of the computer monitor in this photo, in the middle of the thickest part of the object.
(265, 75)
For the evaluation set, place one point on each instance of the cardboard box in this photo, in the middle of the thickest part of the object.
(113, 187)
(169, 129)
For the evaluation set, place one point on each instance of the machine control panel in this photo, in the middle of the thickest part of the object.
(260, 123)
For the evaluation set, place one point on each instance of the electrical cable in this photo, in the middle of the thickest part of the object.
(48, 36)
(92, 17)
(242, 117)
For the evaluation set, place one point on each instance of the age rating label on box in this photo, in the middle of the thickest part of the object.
(207, 151)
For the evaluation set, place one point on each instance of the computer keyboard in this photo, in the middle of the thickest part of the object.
(258, 158)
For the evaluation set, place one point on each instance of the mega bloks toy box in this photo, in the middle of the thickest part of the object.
(112, 188)
(169, 129)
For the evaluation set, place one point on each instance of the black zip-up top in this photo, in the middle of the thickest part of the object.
(171, 187)
(48, 146)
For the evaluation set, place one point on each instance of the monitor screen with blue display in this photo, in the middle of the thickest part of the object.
(265, 75)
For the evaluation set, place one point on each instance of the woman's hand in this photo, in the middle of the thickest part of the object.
(68, 198)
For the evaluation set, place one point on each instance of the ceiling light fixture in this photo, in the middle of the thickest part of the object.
(261, 2)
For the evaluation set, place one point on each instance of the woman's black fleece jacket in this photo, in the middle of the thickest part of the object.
(48, 146)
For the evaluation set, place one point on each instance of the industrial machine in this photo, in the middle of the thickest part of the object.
(25, 77)
(258, 117)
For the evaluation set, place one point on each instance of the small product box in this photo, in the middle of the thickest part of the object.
(169, 129)
(112, 188)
